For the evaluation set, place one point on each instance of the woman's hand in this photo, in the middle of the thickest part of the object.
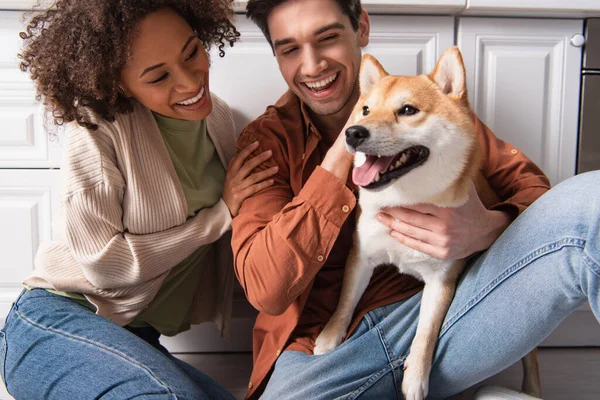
(241, 183)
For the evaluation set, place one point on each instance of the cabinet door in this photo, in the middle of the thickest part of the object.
(523, 77)
(409, 45)
(248, 77)
(28, 201)
(23, 143)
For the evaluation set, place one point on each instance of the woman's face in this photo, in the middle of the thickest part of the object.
(168, 68)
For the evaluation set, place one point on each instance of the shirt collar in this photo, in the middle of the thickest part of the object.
(310, 126)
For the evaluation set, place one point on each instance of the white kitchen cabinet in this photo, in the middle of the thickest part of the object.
(409, 45)
(534, 7)
(523, 77)
(29, 201)
(23, 142)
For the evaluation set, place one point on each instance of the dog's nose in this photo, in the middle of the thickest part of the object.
(355, 135)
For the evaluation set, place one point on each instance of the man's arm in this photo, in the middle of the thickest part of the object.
(281, 241)
(453, 233)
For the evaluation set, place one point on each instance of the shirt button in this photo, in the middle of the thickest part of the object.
(250, 385)
(320, 258)
(277, 353)
(345, 208)
(514, 151)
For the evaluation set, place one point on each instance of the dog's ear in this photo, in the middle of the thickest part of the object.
(450, 74)
(371, 72)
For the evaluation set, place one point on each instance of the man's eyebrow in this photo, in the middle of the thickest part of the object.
(189, 40)
(282, 42)
(335, 25)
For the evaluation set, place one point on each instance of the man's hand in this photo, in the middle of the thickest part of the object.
(338, 160)
(446, 233)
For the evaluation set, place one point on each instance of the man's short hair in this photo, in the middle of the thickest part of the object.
(259, 10)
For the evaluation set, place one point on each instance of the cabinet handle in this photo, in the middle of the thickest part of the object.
(578, 40)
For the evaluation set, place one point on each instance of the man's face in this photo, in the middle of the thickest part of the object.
(318, 52)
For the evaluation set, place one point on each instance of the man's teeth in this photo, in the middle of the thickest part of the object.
(321, 84)
(193, 99)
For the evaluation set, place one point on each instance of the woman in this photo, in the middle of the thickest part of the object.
(146, 199)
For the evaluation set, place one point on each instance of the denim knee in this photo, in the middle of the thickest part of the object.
(2, 355)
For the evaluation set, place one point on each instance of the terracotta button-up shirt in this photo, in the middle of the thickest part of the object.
(290, 241)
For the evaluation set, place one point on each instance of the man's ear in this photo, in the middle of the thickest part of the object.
(371, 72)
(450, 74)
(364, 29)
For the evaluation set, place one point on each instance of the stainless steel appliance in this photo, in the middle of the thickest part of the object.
(588, 157)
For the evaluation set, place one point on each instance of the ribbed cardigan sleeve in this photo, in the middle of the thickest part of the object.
(112, 258)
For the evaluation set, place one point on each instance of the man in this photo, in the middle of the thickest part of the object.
(291, 240)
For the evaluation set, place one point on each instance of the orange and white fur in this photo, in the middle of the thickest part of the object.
(415, 142)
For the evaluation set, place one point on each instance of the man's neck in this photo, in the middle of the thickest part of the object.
(331, 125)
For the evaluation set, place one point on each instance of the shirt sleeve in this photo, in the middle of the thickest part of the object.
(113, 258)
(281, 240)
(516, 179)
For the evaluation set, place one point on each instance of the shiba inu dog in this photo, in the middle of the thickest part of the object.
(415, 142)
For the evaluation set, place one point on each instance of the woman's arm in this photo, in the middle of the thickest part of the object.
(113, 258)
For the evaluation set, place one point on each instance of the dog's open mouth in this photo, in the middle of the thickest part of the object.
(379, 171)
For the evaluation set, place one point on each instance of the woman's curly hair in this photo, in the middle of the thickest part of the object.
(75, 51)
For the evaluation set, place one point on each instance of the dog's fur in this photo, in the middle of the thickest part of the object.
(440, 170)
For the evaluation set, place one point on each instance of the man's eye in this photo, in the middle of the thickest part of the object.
(192, 54)
(289, 51)
(160, 78)
(330, 37)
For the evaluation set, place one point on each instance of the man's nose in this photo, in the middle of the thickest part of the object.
(313, 64)
(355, 135)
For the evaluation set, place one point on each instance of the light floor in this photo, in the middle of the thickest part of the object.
(566, 374)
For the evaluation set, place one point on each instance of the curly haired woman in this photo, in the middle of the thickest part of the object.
(146, 202)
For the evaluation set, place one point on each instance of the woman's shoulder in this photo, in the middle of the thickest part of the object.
(91, 156)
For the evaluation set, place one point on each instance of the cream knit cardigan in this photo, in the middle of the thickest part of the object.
(126, 224)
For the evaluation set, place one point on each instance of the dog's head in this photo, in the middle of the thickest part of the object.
(416, 130)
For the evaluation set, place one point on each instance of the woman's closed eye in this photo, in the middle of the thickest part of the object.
(193, 54)
(160, 78)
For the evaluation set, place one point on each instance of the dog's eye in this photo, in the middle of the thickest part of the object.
(408, 110)
(366, 111)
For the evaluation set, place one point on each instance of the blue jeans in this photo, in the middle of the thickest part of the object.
(545, 265)
(53, 348)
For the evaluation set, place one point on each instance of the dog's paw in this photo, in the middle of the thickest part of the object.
(328, 340)
(415, 383)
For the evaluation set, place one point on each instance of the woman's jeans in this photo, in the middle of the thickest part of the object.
(51, 347)
(544, 266)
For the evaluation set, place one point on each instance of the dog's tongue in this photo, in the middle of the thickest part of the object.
(365, 174)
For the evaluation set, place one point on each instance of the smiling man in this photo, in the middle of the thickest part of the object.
(291, 240)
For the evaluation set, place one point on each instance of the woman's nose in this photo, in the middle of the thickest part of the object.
(187, 80)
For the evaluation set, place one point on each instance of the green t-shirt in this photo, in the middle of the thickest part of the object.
(202, 176)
